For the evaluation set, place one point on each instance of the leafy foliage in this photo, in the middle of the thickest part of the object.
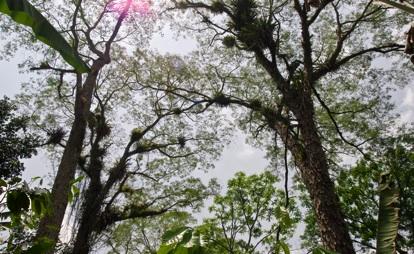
(145, 234)
(358, 189)
(15, 141)
(183, 240)
(20, 214)
(250, 217)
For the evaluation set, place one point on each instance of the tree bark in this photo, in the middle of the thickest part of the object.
(50, 225)
(311, 160)
(307, 148)
(93, 197)
(89, 217)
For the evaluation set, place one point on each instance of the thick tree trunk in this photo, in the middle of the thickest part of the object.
(311, 160)
(50, 225)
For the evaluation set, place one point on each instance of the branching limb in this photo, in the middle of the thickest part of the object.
(325, 69)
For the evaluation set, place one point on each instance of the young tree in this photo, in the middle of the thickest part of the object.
(304, 49)
(81, 21)
(251, 217)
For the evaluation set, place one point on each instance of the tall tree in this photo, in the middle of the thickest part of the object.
(80, 21)
(272, 33)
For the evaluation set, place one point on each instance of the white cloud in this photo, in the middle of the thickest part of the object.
(409, 97)
(407, 116)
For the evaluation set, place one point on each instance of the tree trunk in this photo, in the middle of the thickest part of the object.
(93, 199)
(311, 160)
(50, 225)
(90, 214)
(95, 196)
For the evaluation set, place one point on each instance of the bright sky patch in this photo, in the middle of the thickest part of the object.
(140, 7)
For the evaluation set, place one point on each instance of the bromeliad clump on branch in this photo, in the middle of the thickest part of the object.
(217, 6)
(229, 41)
(253, 31)
(222, 100)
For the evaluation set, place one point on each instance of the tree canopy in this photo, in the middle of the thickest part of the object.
(129, 129)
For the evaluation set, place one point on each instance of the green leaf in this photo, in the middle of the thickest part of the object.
(283, 246)
(388, 218)
(42, 246)
(77, 180)
(74, 190)
(186, 237)
(37, 206)
(196, 250)
(165, 249)
(24, 13)
(70, 196)
(180, 250)
(17, 201)
(3, 183)
(36, 178)
(171, 234)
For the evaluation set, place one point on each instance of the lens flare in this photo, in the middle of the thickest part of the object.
(139, 7)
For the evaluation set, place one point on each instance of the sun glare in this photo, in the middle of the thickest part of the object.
(140, 7)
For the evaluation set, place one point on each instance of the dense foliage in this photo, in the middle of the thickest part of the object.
(359, 194)
(16, 142)
(251, 217)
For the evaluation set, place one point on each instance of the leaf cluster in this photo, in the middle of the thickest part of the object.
(21, 211)
(15, 140)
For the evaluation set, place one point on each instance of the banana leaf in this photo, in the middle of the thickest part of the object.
(24, 13)
(404, 6)
(388, 218)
